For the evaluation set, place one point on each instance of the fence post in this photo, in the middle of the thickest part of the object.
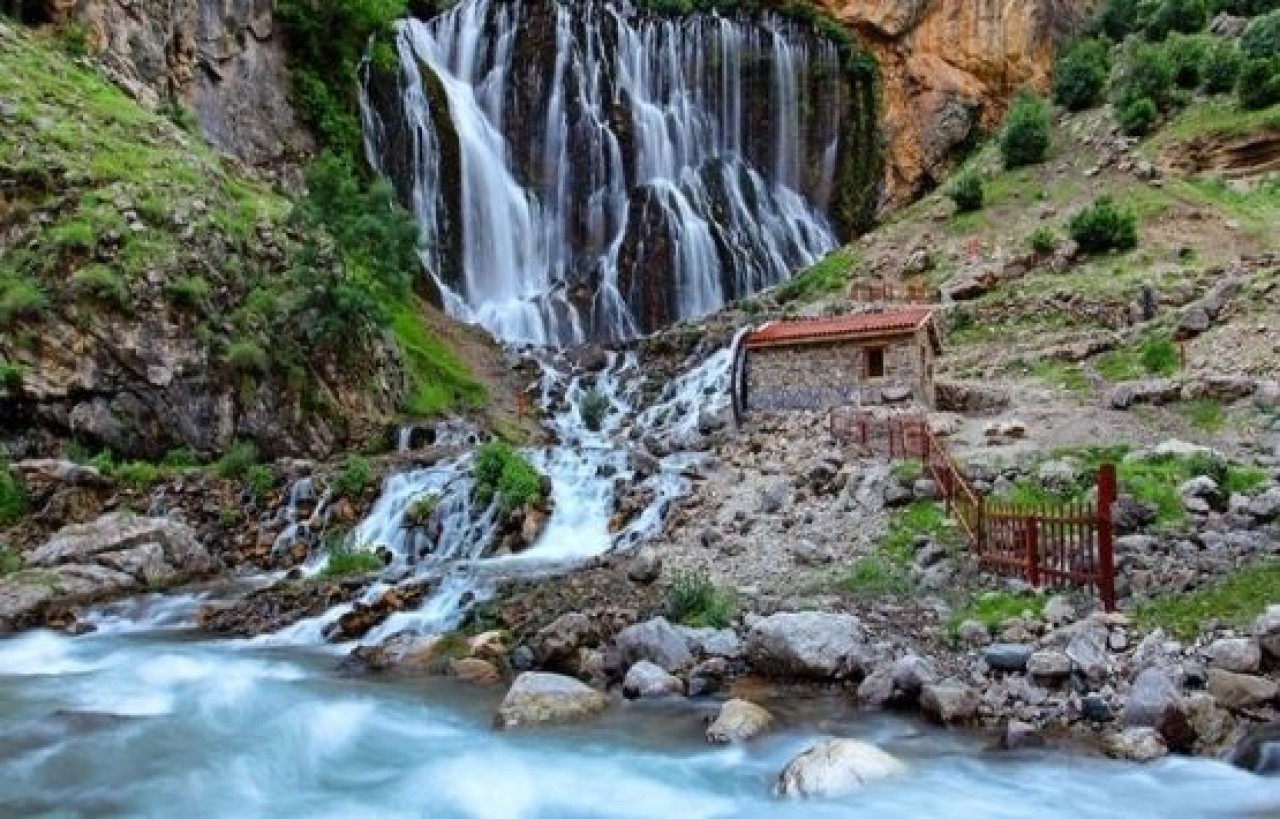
(1031, 538)
(980, 529)
(1107, 492)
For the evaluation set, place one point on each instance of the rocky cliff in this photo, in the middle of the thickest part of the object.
(949, 68)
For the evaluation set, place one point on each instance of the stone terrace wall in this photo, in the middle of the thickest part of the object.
(826, 375)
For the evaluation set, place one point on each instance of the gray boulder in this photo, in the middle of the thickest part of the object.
(1008, 657)
(645, 567)
(951, 702)
(835, 768)
(538, 698)
(556, 645)
(1236, 691)
(140, 543)
(808, 644)
(911, 674)
(1088, 653)
(1237, 654)
(1049, 665)
(1265, 507)
(1155, 702)
(739, 721)
(1266, 630)
(713, 642)
(657, 641)
(1137, 745)
(645, 680)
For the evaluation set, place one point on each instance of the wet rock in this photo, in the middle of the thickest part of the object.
(1212, 725)
(1258, 751)
(1266, 630)
(950, 702)
(739, 721)
(834, 768)
(876, 689)
(808, 644)
(1049, 665)
(657, 641)
(713, 642)
(490, 645)
(1008, 657)
(538, 698)
(1019, 736)
(476, 671)
(911, 674)
(1095, 708)
(556, 645)
(1238, 691)
(1155, 702)
(708, 676)
(1237, 654)
(645, 680)
(646, 566)
(1136, 745)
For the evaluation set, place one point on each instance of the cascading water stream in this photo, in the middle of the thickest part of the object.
(591, 170)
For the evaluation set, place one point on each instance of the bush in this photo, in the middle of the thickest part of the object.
(594, 407)
(259, 479)
(1137, 117)
(1221, 67)
(11, 376)
(1187, 55)
(1261, 40)
(354, 477)
(1144, 71)
(1044, 241)
(1025, 140)
(236, 462)
(74, 235)
(1257, 88)
(246, 357)
(1081, 74)
(694, 600)
(1120, 18)
(10, 560)
(184, 458)
(346, 558)
(1159, 357)
(189, 291)
(876, 576)
(1243, 8)
(1169, 16)
(101, 284)
(13, 496)
(20, 301)
(966, 191)
(1103, 226)
(501, 472)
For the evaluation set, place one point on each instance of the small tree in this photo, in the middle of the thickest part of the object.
(1144, 72)
(1259, 84)
(966, 191)
(1081, 75)
(1120, 18)
(1187, 54)
(1221, 67)
(1261, 40)
(594, 407)
(1043, 240)
(1025, 140)
(1103, 226)
(1168, 16)
(1137, 117)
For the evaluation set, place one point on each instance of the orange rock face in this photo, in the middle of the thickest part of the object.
(950, 67)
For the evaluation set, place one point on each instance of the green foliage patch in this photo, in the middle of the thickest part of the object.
(694, 600)
(1026, 135)
(13, 495)
(1080, 76)
(346, 559)
(1104, 226)
(826, 277)
(503, 473)
(966, 191)
(1234, 601)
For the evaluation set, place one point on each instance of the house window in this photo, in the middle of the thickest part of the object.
(875, 362)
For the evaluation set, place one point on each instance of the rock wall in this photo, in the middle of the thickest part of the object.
(222, 59)
(824, 375)
(949, 68)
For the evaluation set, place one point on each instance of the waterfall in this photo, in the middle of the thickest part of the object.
(590, 171)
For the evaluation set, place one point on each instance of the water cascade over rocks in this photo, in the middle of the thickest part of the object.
(591, 171)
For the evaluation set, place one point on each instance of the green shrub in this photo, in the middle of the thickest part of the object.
(246, 357)
(1159, 356)
(1168, 16)
(694, 600)
(594, 407)
(346, 559)
(1257, 88)
(920, 519)
(354, 477)
(1120, 18)
(1103, 226)
(101, 284)
(1137, 117)
(1025, 140)
(189, 291)
(1043, 240)
(74, 235)
(1261, 40)
(1221, 69)
(259, 480)
(13, 496)
(20, 301)
(876, 576)
(182, 458)
(1143, 72)
(1081, 74)
(1187, 55)
(1243, 8)
(993, 609)
(907, 472)
(966, 191)
(10, 560)
(421, 510)
(501, 472)
(11, 376)
(237, 460)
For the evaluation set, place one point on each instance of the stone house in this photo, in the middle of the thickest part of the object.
(856, 360)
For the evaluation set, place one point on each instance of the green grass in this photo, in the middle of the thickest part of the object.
(993, 609)
(1204, 414)
(10, 560)
(100, 283)
(875, 576)
(1062, 374)
(346, 559)
(922, 518)
(12, 376)
(1215, 118)
(1233, 601)
(503, 473)
(826, 277)
(694, 600)
(13, 495)
(1155, 356)
(237, 460)
(439, 381)
(907, 472)
(355, 476)
(259, 480)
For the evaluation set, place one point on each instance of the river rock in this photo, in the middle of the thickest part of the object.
(646, 566)
(835, 768)
(1049, 665)
(129, 540)
(1010, 657)
(556, 645)
(1237, 691)
(1237, 654)
(713, 642)
(1212, 725)
(1258, 751)
(973, 633)
(808, 644)
(1136, 745)
(876, 689)
(474, 670)
(739, 721)
(1155, 702)
(1019, 735)
(911, 674)
(1088, 653)
(657, 641)
(951, 702)
(1265, 507)
(539, 698)
(645, 680)
(707, 676)
(493, 646)
(1266, 630)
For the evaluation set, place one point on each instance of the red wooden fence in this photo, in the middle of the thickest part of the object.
(912, 293)
(1051, 546)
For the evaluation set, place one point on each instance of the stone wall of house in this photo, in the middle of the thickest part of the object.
(827, 375)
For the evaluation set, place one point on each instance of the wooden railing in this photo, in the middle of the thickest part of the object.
(912, 293)
(1050, 546)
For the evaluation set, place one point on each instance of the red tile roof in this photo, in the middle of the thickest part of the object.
(808, 331)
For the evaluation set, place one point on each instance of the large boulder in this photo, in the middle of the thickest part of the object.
(1136, 745)
(1266, 630)
(808, 644)
(645, 680)
(1237, 654)
(538, 698)
(834, 768)
(739, 721)
(134, 544)
(950, 702)
(1011, 657)
(1237, 691)
(556, 645)
(657, 641)
(1155, 702)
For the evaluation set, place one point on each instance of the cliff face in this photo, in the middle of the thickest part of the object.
(950, 67)
(222, 59)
